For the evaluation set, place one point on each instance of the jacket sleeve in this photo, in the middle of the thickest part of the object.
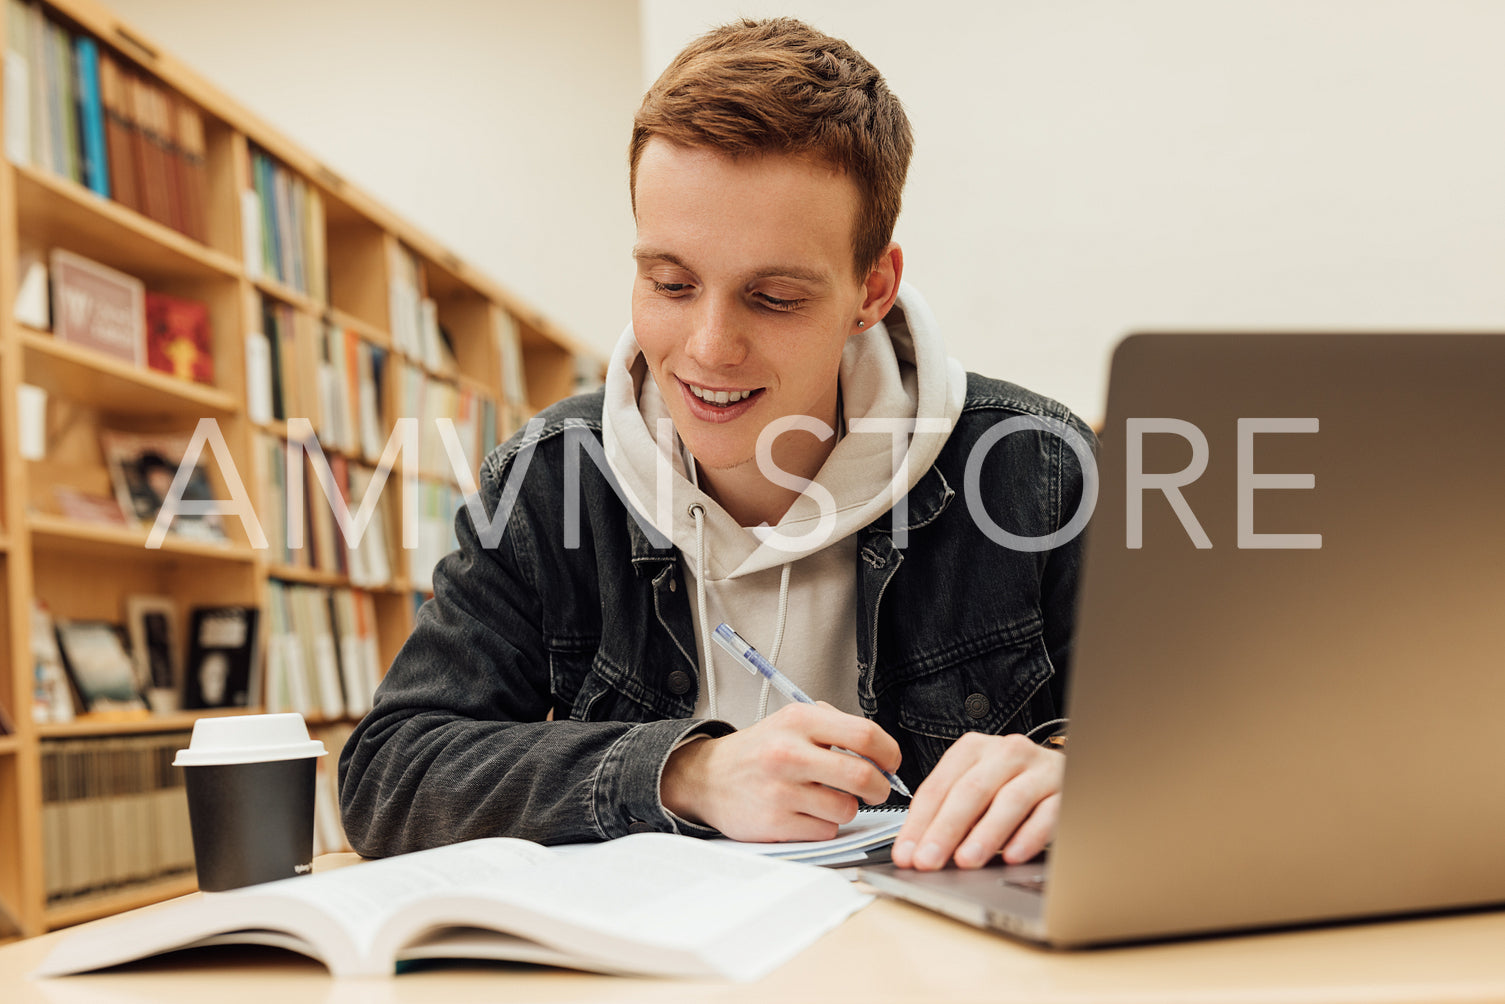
(458, 744)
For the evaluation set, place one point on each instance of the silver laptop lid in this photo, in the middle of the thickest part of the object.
(1264, 731)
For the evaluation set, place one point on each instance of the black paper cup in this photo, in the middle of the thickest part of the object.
(250, 782)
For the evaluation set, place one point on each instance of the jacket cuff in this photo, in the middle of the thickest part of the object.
(626, 786)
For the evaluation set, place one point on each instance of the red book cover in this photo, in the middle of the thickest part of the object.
(178, 337)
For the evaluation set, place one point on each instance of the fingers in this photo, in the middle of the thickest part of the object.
(780, 779)
(953, 798)
(804, 751)
(986, 791)
(1034, 836)
(1013, 803)
(829, 727)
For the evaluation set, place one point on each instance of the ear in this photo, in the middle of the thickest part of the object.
(881, 287)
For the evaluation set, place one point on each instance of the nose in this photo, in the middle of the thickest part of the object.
(717, 340)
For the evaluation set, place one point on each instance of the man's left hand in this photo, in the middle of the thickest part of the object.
(987, 793)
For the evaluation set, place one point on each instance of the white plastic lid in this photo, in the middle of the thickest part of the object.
(248, 739)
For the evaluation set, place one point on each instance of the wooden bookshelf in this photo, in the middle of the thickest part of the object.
(128, 898)
(342, 282)
(64, 369)
(112, 725)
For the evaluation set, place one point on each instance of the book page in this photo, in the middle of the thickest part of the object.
(649, 903)
(364, 897)
(872, 828)
(332, 916)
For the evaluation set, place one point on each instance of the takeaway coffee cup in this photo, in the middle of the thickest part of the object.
(250, 786)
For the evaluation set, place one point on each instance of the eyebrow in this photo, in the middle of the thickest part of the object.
(641, 254)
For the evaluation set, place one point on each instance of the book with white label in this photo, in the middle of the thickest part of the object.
(647, 904)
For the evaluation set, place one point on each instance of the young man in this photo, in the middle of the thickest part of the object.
(783, 445)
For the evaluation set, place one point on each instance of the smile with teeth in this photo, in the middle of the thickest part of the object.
(720, 397)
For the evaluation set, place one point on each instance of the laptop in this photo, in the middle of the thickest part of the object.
(1303, 722)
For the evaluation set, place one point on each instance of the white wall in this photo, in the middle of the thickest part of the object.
(500, 127)
(1088, 167)
(1083, 167)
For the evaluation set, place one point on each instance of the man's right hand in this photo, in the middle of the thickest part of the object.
(779, 779)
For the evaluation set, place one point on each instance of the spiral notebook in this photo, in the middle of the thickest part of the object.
(865, 840)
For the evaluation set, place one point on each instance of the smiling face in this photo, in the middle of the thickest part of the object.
(745, 296)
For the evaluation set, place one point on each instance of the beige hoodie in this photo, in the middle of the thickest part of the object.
(790, 590)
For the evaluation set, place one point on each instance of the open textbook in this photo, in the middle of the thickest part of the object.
(648, 904)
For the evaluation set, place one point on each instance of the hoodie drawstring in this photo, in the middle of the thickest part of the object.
(697, 513)
(778, 638)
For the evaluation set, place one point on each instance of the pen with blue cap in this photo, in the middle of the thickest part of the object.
(752, 660)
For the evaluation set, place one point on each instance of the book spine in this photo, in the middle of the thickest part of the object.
(132, 103)
(91, 114)
(58, 142)
(159, 168)
(41, 111)
(194, 178)
(165, 108)
(18, 99)
(118, 152)
(271, 252)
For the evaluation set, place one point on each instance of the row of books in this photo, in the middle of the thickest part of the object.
(282, 226)
(299, 367)
(114, 814)
(73, 108)
(322, 654)
(437, 505)
(90, 665)
(510, 358)
(370, 557)
(434, 402)
(414, 318)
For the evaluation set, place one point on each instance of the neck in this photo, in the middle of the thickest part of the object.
(749, 497)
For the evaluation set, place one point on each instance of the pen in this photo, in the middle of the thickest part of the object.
(752, 660)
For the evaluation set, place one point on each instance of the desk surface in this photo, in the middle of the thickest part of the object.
(888, 953)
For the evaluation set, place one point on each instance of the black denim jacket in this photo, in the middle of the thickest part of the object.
(544, 686)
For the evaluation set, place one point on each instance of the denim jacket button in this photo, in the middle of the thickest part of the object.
(977, 706)
(673, 583)
(679, 682)
(638, 826)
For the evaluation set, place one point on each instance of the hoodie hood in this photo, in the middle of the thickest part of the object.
(895, 373)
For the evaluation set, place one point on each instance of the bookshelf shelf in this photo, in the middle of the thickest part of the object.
(372, 275)
(180, 721)
(288, 295)
(94, 907)
(306, 576)
(60, 534)
(115, 386)
(56, 212)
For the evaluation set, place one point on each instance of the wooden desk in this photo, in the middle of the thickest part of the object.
(887, 954)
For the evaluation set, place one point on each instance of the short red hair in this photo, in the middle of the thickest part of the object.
(780, 86)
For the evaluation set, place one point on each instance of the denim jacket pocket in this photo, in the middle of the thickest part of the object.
(982, 685)
(608, 692)
(569, 667)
